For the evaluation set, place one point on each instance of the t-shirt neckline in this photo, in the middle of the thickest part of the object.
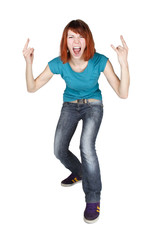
(82, 71)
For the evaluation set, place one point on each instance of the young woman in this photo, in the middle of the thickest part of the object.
(80, 66)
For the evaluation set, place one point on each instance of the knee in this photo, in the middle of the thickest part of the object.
(60, 152)
(57, 150)
(57, 147)
(86, 149)
(56, 153)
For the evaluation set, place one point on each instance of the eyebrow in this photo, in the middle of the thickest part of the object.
(72, 35)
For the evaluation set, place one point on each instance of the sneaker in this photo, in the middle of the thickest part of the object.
(71, 180)
(91, 213)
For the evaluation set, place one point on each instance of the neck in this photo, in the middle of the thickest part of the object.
(78, 65)
(76, 62)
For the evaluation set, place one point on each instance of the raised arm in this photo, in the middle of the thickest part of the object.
(120, 86)
(34, 84)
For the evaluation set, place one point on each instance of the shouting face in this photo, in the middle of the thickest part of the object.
(76, 44)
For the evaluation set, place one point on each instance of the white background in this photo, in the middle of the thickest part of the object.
(33, 205)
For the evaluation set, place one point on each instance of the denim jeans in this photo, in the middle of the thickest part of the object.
(91, 115)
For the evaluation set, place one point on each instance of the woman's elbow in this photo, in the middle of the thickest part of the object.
(124, 96)
(31, 90)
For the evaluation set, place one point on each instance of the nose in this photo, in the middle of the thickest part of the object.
(76, 39)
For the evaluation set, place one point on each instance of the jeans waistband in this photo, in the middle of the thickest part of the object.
(81, 101)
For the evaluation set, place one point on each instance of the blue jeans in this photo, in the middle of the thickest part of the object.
(91, 114)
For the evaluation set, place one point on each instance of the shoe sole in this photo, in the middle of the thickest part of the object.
(70, 185)
(91, 221)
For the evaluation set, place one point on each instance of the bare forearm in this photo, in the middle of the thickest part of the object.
(29, 78)
(125, 81)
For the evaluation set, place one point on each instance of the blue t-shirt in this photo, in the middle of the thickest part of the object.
(80, 85)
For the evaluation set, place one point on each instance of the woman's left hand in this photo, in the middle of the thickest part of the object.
(122, 52)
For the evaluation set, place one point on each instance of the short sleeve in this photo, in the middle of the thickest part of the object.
(103, 63)
(55, 65)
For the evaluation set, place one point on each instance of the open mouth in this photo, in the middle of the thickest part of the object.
(76, 50)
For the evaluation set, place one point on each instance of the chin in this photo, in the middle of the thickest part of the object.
(79, 56)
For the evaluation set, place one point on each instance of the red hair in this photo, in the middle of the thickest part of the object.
(77, 26)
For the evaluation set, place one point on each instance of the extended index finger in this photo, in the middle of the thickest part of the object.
(123, 42)
(26, 45)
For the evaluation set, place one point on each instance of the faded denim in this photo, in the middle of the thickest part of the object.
(91, 115)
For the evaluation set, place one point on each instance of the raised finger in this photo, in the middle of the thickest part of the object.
(115, 49)
(26, 45)
(123, 42)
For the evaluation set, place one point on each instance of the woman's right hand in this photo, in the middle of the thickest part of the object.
(28, 53)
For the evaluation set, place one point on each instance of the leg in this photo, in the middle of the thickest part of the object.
(90, 167)
(65, 129)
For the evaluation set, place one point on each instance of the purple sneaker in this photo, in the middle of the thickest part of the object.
(92, 212)
(71, 180)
